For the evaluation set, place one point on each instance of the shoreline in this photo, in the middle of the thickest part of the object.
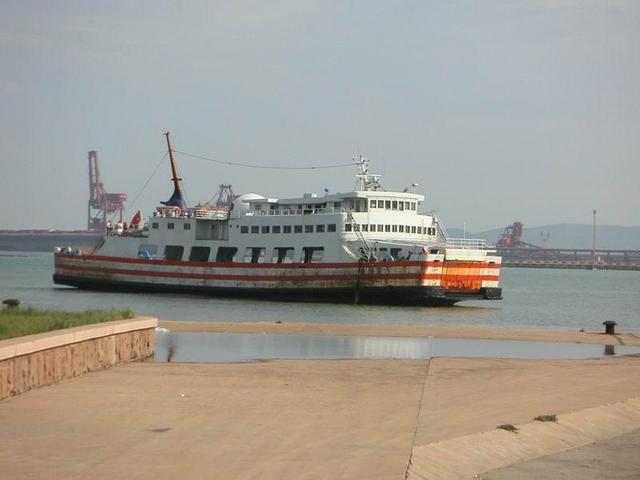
(485, 333)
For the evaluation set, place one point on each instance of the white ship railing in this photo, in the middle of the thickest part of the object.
(296, 211)
(467, 243)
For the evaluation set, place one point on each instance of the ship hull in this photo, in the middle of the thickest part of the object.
(388, 283)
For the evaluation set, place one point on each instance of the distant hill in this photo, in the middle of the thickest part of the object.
(567, 235)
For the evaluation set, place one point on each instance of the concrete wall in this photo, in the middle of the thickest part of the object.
(46, 358)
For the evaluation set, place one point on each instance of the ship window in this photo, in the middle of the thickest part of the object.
(374, 203)
(275, 229)
(394, 205)
(308, 229)
(187, 226)
(173, 252)
(331, 227)
(413, 229)
(394, 228)
(253, 255)
(365, 227)
(395, 253)
(401, 228)
(380, 203)
(387, 204)
(320, 228)
(170, 225)
(226, 254)
(282, 255)
(154, 225)
(265, 229)
(380, 228)
(401, 206)
(312, 254)
(199, 254)
(413, 205)
(286, 229)
(244, 229)
(420, 230)
(255, 229)
(337, 204)
(407, 205)
(387, 228)
(297, 229)
(347, 227)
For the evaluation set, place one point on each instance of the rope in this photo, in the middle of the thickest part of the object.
(270, 167)
(155, 170)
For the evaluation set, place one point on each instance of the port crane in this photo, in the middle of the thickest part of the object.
(101, 204)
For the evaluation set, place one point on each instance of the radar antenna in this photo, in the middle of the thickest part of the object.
(366, 181)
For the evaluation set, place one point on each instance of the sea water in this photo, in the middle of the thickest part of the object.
(533, 298)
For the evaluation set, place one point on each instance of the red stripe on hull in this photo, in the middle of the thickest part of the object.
(179, 263)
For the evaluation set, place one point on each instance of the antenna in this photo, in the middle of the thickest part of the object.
(366, 181)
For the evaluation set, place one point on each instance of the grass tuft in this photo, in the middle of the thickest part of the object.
(546, 418)
(508, 427)
(17, 322)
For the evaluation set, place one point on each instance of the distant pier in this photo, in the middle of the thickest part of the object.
(570, 258)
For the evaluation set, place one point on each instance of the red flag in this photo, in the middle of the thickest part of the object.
(137, 218)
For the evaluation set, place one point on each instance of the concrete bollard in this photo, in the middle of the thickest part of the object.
(609, 327)
(11, 303)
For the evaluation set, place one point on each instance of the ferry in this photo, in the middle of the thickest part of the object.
(369, 245)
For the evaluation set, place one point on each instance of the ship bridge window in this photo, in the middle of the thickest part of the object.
(387, 204)
(255, 229)
(244, 229)
(380, 228)
(297, 229)
(253, 255)
(199, 254)
(308, 229)
(373, 203)
(407, 206)
(331, 227)
(394, 205)
(286, 229)
(413, 205)
(275, 229)
(312, 254)
(394, 228)
(401, 228)
(320, 228)
(401, 206)
(387, 228)
(413, 229)
(173, 252)
(265, 229)
(226, 254)
(282, 255)
(380, 203)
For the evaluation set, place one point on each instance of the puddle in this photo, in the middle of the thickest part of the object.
(209, 347)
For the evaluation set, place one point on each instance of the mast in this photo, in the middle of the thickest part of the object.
(177, 199)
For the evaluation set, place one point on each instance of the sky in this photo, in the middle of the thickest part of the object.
(499, 110)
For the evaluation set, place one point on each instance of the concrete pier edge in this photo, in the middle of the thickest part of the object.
(34, 361)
